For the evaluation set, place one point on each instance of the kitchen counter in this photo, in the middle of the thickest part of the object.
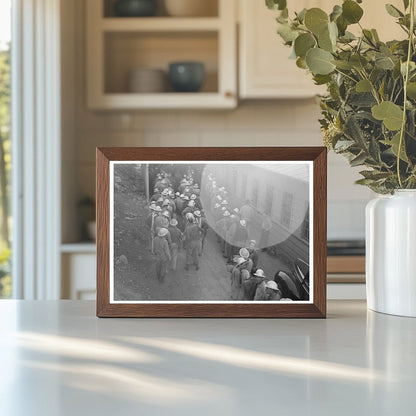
(57, 358)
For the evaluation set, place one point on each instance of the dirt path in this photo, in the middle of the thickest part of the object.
(134, 271)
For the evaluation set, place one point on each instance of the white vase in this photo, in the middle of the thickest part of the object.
(391, 253)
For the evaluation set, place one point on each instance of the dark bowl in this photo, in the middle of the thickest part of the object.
(186, 76)
(135, 8)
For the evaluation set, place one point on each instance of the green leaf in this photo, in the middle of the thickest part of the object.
(411, 90)
(358, 160)
(316, 20)
(287, 33)
(351, 11)
(374, 174)
(301, 63)
(325, 42)
(319, 61)
(358, 61)
(342, 25)
(344, 65)
(321, 79)
(388, 112)
(384, 62)
(343, 145)
(393, 11)
(276, 4)
(336, 12)
(406, 4)
(303, 43)
(347, 37)
(301, 15)
(394, 145)
(375, 35)
(363, 86)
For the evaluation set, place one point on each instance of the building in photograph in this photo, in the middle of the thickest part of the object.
(279, 191)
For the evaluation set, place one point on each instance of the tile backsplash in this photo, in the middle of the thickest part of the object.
(258, 123)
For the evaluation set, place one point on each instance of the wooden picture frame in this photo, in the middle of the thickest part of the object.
(314, 157)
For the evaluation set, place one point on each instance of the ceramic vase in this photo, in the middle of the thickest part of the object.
(391, 253)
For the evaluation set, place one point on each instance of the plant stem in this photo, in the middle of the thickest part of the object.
(406, 80)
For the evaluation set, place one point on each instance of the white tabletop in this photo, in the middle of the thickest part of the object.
(57, 358)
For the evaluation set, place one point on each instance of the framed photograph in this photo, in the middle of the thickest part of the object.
(211, 232)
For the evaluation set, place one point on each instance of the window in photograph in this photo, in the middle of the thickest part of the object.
(243, 186)
(287, 209)
(305, 227)
(268, 202)
(255, 192)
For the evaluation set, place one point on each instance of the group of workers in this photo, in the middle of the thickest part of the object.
(233, 227)
(178, 221)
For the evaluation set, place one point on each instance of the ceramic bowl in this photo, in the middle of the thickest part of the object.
(135, 8)
(186, 76)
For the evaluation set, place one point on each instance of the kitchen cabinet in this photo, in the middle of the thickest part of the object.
(265, 70)
(118, 45)
(78, 263)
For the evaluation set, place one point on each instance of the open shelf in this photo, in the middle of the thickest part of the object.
(119, 45)
(160, 24)
(211, 9)
(127, 51)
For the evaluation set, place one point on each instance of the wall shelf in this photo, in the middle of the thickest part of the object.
(116, 46)
(160, 24)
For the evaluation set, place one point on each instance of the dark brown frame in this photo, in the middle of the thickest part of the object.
(317, 309)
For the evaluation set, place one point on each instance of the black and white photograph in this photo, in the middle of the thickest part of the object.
(211, 231)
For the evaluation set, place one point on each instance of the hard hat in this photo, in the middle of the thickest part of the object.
(259, 273)
(271, 284)
(173, 222)
(162, 232)
(244, 253)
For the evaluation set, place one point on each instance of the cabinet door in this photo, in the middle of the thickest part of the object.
(265, 68)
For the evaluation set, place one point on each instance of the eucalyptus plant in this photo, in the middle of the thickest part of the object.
(369, 111)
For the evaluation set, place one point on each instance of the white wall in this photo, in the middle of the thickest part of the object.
(256, 123)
